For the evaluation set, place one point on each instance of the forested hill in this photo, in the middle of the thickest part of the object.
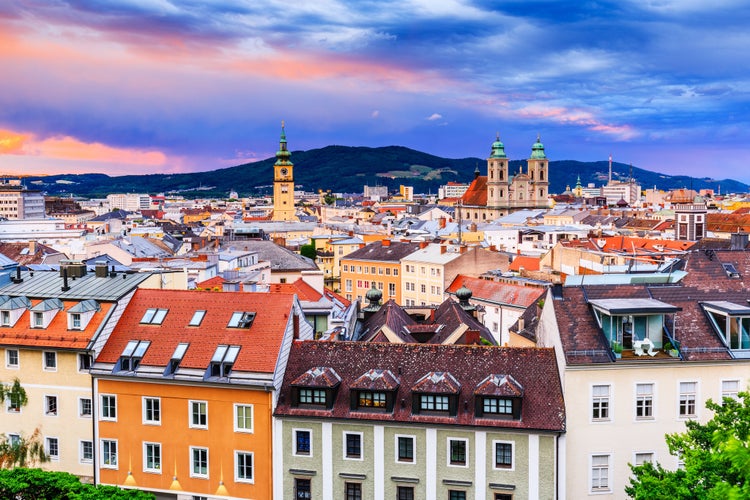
(347, 169)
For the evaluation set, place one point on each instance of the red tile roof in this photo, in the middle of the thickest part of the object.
(56, 335)
(476, 195)
(526, 262)
(497, 292)
(260, 343)
(533, 369)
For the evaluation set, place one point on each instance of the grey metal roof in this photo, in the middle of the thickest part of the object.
(728, 307)
(633, 306)
(48, 305)
(85, 306)
(44, 284)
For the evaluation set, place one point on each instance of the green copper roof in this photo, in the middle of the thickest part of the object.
(537, 150)
(283, 155)
(498, 148)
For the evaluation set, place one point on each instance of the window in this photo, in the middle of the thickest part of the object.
(644, 401)
(38, 320)
(14, 439)
(503, 455)
(730, 389)
(199, 414)
(456, 495)
(152, 457)
(154, 316)
(457, 452)
(50, 360)
(243, 418)
(151, 411)
(199, 462)
(687, 399)
(405, 493)
(50, 406)
(353, 445)
(52, 448)
(387, 271)
(11, 358)
(503, 496)
(432, 402)
(348, 284)
(302, 442)
(423, 288)
(197, 318)
(346, 268)
(643, 457)
(87, 452)
(241, 319)
(223, 360)
(132, 354)
(177, 355)
(109, 407)
(14, 403)
(109, 454)
(600, 473)
(391, 289)
(497, 406)
(84, 361)
(244, 466)
(405, 449)
(84, 407)
(353, 491)
(395, 272)
(368, 399)
(75, 321)
(302, 489)
(600, 402)
(312, 396)
(5, 318)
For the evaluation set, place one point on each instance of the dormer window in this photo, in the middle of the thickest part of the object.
(625, 321)
(177, 356)
(374, 391)
(12, 308)
(44, 312)
(241, 319)
(498, 396)
(436, 393)
(132, 355)
(223, 360)
(316, 387)
(731, 322)
(154, 316)
(80, 314)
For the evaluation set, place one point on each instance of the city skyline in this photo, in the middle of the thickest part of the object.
(154, 87)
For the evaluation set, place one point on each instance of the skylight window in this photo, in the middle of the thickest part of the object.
(197, 318)
(223, 360)
(132, 355)
(241, 319)
(177, 356)
(154, 316)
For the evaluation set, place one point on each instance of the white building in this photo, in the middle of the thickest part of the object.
(17, 202)
(130, 202)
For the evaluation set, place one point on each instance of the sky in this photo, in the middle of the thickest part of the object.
(160, 86)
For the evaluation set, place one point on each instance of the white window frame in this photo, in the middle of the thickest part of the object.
(81, 458)
(696, 399)
(191, 414)
(396, 458)
(294, 443)
(493, 450)
(608, 489)
(101, 403)
(48, 447)
(239, 479)
(104, 465)
(10, 365)
(448, 441)
(146, 420)
(730, 393)
(80, 408)
(199, 475)
(237, 428)
(361, 446)
(643, 452)
(152, 470)
(47, 399)
(653, 402)
(610, 405)
(44, 361)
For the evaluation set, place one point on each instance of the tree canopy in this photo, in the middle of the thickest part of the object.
(716, 458)
(36, 484)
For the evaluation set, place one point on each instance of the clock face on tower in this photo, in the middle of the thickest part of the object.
(284, 171)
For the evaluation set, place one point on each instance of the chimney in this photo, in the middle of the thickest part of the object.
(386, 243)
(472, 337)
(442, 222)
(100, 269)
(423, 244)
(462, 249)
(443, 248)
(295, 326)
(65, 286)
(521, 324)
(32, 247)
(493, 248)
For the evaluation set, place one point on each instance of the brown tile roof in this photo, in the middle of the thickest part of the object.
(260, 343)
(497, 292)
(476, 195)
(534, 369)
(28, 253)
(56, 335)
(392, 251)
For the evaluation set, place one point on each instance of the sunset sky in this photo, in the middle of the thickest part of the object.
(158, 86)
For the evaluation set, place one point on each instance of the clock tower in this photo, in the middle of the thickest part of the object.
(283, 183)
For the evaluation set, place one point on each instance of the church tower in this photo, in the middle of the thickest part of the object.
(497, 175)
(283, 183)
(539, 174)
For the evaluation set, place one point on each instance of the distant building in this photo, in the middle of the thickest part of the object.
(452, 190)
(376, 193)
(500, 192)
(17, 202)
(283, 183)
(131, 202)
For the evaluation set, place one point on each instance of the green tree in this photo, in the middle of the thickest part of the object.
(308, 251)
(36, 484)
(716, 458)
(20, 451)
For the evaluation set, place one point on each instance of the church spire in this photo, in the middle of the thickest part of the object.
(283, 155)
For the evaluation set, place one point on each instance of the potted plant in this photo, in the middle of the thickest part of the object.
(670, 349)
(617, 348)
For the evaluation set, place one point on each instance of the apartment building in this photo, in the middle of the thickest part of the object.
(378, 262)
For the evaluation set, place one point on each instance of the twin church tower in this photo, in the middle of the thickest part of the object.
(488, 197)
